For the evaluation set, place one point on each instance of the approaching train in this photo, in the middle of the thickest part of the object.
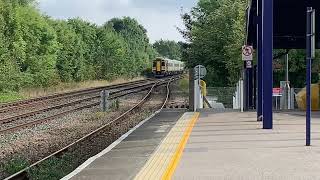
(165, 67)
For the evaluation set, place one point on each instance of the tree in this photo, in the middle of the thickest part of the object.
(87, 32)
(111, 54)
(138, 47)
(168, 49)
(70, 59)
(36, 50)
(35, 46)
(215, 31)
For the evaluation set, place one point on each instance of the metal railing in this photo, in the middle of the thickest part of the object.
(222, 95)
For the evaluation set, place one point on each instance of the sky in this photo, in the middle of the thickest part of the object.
(159, 17)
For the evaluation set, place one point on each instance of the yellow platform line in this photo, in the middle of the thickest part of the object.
(177, 156)
(163, 162)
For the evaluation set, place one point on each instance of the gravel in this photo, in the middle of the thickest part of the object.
(39, 141)
(42, 104)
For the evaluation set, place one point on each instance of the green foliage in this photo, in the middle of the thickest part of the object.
(36, 51)
(115, 104)
(112, 51)
(297, 69)
(215, 30)
(70, 58)
(168, 49)
(138, 50)
(34, 46)
(9, 96)
(16, 165)
(53, 168)
(184, 85)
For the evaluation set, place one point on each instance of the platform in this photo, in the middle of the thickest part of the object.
(212, 145)
(125, 158)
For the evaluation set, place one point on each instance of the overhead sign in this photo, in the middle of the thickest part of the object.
(247, 53)
(200, 72)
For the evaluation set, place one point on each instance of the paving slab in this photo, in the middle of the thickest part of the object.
(233, 146)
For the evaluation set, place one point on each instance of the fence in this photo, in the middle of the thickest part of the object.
(222, 95)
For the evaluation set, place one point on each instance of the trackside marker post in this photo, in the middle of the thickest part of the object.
(104, 100)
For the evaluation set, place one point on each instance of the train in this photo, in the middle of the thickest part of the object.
(163, 67)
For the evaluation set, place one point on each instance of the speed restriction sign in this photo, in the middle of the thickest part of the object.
(247, 52)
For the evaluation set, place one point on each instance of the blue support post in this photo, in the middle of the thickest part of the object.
(260, 64)
(310, 55)
(267, 57)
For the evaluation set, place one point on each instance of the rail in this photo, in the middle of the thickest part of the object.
(23, 174)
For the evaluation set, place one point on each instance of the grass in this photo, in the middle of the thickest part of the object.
(115, 104)
(65, 87)
(184, 85)
(10, 97)
(61, 88)
(53, 168)
(16, 165)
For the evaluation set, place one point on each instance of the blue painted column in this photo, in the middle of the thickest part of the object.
(267, 58)
(310, 56)
(260, 64)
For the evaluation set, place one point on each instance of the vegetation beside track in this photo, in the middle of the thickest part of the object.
(38, 51)
(25, 93)
(183, 85)
(16, 164)
(9, 96)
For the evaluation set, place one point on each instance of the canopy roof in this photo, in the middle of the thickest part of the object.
(289, 23)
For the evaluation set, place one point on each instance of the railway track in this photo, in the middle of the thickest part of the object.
(9, 107)
(23, 174)
(128, 89)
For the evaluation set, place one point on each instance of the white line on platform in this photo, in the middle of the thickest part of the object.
(108, 149)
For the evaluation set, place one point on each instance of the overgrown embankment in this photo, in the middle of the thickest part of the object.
(37, 51)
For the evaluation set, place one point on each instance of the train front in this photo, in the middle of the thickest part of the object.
(159, 68)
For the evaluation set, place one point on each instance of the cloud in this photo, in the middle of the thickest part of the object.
(159, 17)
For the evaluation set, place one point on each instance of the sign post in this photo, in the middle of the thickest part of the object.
(247, 56)
(199, 72)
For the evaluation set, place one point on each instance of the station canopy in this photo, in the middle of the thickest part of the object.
(289, 23)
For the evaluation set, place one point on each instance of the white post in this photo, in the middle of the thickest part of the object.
(195, 95)
(237, 96)
(241, 96)
(292, 98)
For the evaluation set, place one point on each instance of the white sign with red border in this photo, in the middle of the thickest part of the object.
(276, 92)
(247, 52)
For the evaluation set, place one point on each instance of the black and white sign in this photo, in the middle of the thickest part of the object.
(247, 52)
(248, 64)
(201, 71)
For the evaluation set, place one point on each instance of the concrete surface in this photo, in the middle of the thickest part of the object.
(126, 159)
(232, 146)
(161, 164)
